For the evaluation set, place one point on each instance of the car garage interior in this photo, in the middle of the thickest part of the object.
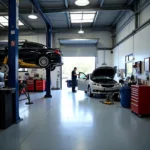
(74, 74)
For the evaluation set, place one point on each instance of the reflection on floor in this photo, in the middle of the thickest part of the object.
(75, 122)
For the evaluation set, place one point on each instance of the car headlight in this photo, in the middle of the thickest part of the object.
(117, 84)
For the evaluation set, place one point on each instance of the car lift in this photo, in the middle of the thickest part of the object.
(21, 63)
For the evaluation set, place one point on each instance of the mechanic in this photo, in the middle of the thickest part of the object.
(74, 80)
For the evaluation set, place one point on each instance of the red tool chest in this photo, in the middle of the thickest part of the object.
(140, 100)
(40, 85)
(30, 85)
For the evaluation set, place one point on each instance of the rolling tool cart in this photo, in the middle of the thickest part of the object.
(140, 100)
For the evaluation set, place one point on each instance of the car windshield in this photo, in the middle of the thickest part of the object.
(102, 77)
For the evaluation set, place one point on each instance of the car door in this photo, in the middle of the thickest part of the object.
(82, 82)
(27, 53)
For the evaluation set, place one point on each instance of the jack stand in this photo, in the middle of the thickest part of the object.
(29, 102)
(48, 96)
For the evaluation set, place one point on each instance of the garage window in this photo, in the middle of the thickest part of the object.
(129, 65)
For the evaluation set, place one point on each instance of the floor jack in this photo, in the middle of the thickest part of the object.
(110, 98)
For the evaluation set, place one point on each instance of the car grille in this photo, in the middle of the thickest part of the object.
(107, 86)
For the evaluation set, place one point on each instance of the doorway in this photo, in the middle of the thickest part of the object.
(84, 64)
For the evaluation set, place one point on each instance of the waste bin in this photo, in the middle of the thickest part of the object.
(125, 93)
(7, 116)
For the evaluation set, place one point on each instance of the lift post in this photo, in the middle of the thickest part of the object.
(48, 24)
(48, 70)
(13, 52)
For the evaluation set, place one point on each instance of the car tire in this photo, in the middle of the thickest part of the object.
(43, 61)
(89, 92)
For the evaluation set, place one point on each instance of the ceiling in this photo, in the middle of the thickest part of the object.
(58, 12)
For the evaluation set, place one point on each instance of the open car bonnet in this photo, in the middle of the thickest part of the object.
(104, 72)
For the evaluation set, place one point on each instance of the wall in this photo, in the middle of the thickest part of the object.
(105, 41)
(100, 58)
(138, 44)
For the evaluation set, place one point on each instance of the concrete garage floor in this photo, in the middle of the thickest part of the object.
(75, 122)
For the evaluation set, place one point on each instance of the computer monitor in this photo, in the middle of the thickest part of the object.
(1, 80)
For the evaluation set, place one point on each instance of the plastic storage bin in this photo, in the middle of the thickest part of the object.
(69, 83)
(125, 93)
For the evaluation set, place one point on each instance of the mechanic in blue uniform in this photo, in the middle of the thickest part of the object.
(74, 80)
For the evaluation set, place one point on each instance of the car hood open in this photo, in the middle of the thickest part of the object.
(104, 72)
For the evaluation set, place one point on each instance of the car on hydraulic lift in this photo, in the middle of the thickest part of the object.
(99, 82)
(35, 53)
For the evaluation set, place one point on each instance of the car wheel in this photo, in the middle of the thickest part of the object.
(89, 92)
(43, 62)
(53, 68)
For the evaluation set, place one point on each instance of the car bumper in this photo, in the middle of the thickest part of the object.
(105, 90)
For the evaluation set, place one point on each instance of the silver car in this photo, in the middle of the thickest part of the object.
(99, 82)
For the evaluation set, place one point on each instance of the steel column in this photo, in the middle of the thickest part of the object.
(13, 52)
(48, 70)
(48, 24)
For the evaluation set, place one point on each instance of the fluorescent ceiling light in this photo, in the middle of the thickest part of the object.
(32, 16)
(81, 32)
(82, 2)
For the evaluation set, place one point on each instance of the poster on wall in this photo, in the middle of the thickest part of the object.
(147, 64)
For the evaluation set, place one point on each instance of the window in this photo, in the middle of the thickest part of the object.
(82, 17)
(4, 21)
(129, 65)
(23, 70)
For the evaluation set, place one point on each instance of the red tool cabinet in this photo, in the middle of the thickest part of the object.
(40, 85)
(30, 85)
(140, 100)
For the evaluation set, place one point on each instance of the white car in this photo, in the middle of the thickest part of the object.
(99, 82)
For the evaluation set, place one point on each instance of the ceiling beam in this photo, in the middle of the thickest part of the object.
(76, 9)
(101, 2)
(95, 19)
(79, 9)
(65, 30)
(129, 2)
(67, 14)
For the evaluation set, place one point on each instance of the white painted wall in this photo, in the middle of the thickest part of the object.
(138, 44)
(100, 58)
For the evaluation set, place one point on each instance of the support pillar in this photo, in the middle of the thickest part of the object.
(13, 52)
(48, 70)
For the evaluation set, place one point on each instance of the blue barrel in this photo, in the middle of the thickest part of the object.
(125, 93)
(69, 83)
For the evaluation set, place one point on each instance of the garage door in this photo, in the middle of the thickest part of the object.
(79, 48)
